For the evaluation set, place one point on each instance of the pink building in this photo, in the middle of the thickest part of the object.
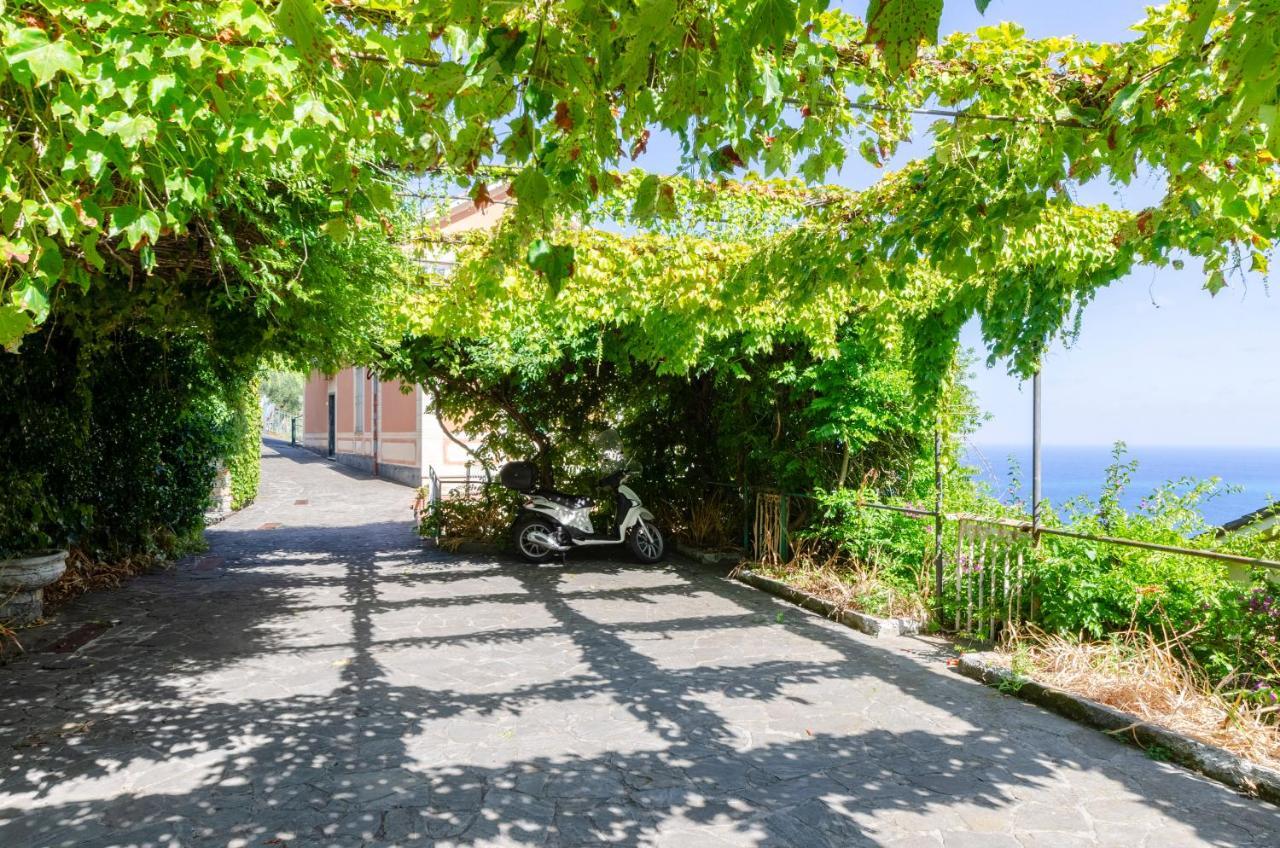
(382, 426)
(377, 426)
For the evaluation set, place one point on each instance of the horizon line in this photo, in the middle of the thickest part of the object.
(1129, 445)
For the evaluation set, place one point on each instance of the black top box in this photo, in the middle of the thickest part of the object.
(520, 476)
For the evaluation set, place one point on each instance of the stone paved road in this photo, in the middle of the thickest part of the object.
(327, 682)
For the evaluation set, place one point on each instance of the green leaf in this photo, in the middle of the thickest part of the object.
(772, 22)
(245, 18)
(503, 44)
(1269, 117)
(132, 130)
(32, 50)
(160, 85)
(518, 146)
(49, 261)
(336, 228)
(1122, 104)
(897, 27)
(139, 227)
(1217, 282)
(315, 110)
(644, 206)
(91, 254)
(652, 19)
(14, 324)
(772, 85)
(531, 187)
(553, 261)
(982, 5)
(539, 101)
(301, 22)
(32, 297)
(1200, 16)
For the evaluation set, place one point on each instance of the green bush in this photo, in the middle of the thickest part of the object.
(44, 439)
(895, 543)
(26, 515)
(1093, 588)
(1228, 625)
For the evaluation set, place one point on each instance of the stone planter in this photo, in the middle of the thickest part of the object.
(22, 582)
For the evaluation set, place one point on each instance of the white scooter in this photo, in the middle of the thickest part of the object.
(553, 523)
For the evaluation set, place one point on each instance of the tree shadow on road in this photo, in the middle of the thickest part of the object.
(333, 689)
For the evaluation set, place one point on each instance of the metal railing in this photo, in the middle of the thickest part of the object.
(281, 425)
(984, 572)
(436, 484)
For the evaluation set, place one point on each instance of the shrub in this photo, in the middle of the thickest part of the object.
(44, 438)
(111, 447)
(896, 542)
(26, 515)
(466, 516)
(868, 559)
(156, 431)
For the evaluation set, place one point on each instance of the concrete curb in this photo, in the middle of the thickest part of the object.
(1209, 760)
(871, 625)
(707, 557)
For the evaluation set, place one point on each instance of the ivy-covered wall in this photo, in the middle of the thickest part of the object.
(244, 454)
(113, 446)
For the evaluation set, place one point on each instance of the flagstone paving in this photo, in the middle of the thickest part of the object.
(318, 678)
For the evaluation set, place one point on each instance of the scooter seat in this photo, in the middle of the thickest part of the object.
(565, 499)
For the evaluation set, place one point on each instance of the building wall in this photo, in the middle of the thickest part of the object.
(315, 412)
(411, 443)
(399, 424)
(398, 428)
(445, 456)
(344, 380)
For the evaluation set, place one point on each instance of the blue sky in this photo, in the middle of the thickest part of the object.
(1158, 361)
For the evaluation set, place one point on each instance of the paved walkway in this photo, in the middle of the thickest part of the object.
(327, 682)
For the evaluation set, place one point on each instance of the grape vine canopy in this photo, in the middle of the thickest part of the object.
(129, 126)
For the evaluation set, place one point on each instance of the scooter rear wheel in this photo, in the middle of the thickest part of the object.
(529, 550)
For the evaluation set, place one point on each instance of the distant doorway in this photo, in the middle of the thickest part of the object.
(333, 428)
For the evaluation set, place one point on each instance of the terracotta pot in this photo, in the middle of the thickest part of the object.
(22, 582)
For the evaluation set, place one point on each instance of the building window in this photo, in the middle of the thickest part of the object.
(359, 395)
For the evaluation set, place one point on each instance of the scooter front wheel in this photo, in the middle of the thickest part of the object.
(646, 542)
(524, 533)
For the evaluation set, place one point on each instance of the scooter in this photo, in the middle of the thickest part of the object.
(553, 523)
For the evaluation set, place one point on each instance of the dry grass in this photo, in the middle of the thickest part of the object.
(86, 574)
(1141, 674)
(703, 522)
(708, 521)
(845, 582)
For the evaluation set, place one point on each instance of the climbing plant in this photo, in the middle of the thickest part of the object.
(126, 126)
(745, 268)
(243, 438)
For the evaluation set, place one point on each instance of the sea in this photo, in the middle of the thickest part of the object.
(1073, 470)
